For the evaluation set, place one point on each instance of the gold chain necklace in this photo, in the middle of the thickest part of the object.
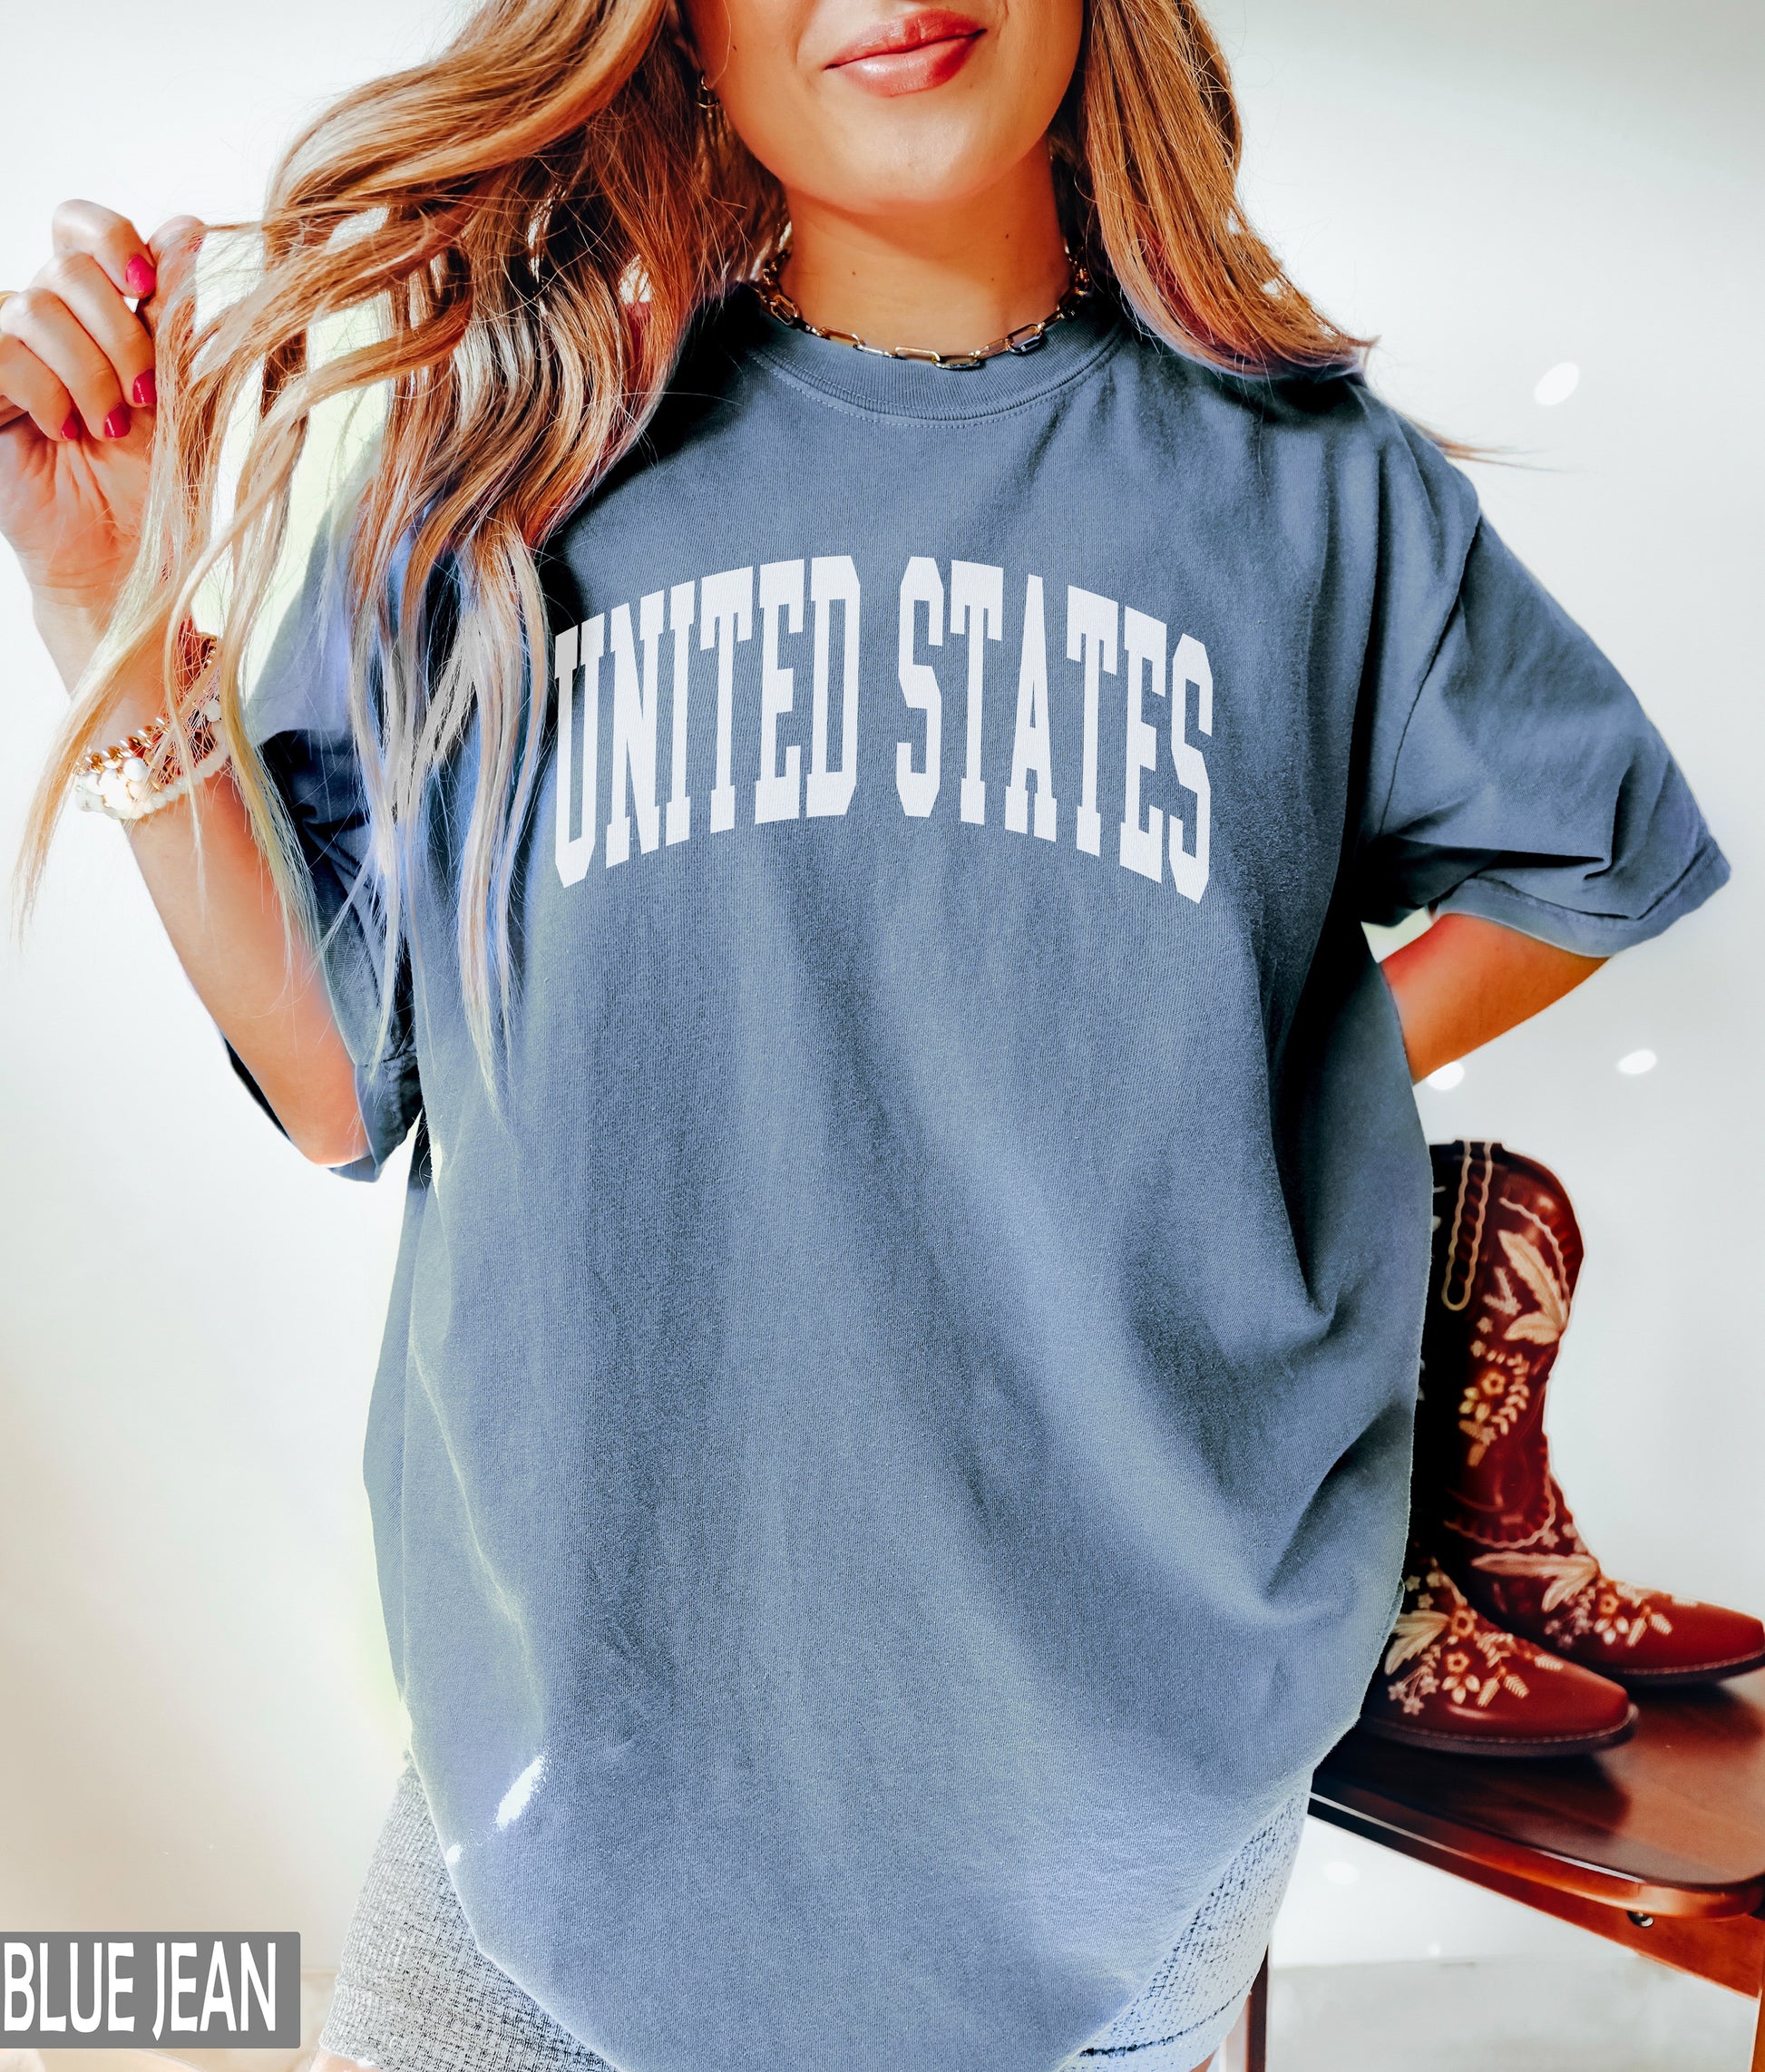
(1026, 339)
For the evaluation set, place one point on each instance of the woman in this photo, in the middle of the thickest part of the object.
(890, 1458)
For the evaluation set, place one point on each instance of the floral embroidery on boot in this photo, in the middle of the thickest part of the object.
(1451, 1680)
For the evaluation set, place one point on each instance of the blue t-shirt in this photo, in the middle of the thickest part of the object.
(891, 1454)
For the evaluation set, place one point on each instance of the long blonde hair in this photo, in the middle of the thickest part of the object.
(533, 219)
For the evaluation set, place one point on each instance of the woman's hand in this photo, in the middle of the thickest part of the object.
(77, 401)
(1465, 981)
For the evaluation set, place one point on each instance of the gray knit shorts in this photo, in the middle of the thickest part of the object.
(416, 1994)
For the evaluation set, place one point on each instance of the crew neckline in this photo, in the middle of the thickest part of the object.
(883, 388)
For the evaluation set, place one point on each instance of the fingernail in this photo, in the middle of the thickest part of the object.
(138, 278)
(116, 426)
(145, 395)
(73, 428)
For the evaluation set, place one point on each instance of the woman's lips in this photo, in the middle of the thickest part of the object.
(910, 53)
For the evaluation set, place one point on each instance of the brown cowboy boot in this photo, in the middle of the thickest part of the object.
(1452, 1681)
(1506, 1255)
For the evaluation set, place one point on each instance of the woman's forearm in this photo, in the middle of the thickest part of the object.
(1466, 981)
(259, 981)
(78, 409)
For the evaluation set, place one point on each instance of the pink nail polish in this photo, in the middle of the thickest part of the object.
(116, 426)
(145, 395)
(73, 428)
(138, 278)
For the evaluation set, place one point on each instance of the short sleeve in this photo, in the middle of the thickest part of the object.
(1519, 780)
(297, 716)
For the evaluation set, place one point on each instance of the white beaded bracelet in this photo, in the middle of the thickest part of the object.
(133, 777)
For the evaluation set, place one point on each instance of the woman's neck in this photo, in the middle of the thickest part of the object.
(948, 280)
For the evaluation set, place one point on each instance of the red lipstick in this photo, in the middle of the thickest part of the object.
(910, 53)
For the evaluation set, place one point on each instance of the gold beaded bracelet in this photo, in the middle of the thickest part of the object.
(135, 776)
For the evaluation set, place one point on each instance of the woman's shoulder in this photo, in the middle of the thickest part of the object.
(1320, 419)
(1332, 404)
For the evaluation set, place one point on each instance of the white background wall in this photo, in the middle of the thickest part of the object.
(197, 1722)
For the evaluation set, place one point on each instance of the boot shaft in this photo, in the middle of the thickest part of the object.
(1506, 1256)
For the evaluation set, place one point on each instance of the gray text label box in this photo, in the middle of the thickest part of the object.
(131, 1989)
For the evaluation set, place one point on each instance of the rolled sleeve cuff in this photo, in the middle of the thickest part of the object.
(1491, 897)
(387, 1097)
(389, 1101)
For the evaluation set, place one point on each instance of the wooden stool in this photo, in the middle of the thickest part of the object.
(1658, 1845)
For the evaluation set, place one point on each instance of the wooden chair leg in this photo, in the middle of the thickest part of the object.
(1247, 2048)
(1256, 2020)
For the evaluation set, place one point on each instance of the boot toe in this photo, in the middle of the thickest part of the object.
(1574, 1703)
(1453, 1681)
(1568, 1711)
(1704, 1644)
(1546, 1706)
